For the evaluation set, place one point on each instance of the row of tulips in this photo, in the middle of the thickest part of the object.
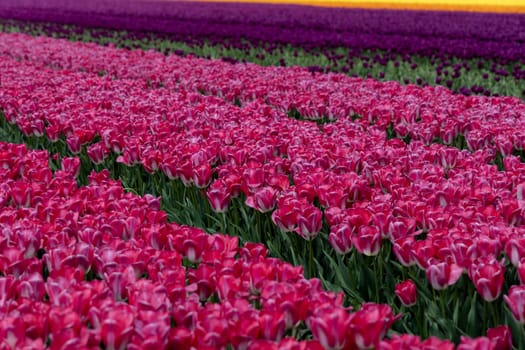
(466, 76)
(444, 210)
(460, 34)
(430, 114)
(83, 267)
(88, 266)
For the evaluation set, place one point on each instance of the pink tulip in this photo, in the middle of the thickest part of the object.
(263, 200)
(370, 324)
(272, 325)
(71, 166)
(400, 228)
(332, 196)
(340, 238)
(21, 193)
(218, 197)
(406, 292)
(463, 251)
(309, 222)
(117, 326)
(521, 272)
(488, 277)
(202, 175)
(422, 253)
(259, 274)
(180, 338)
(334, 216)
(97, 153)
(407, 341)
(253, 178)
(306, 191)
(402, 249)
(442, 275)
(194, 248)
(74, 144)
(359, 217)
(331, 328)
(515, 249)
(285, 217)
(480, 343)
(367, 241)
(400, 341)
(516, 302)
(501, 337)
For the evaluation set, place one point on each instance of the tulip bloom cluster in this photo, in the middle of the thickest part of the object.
(84, 266)
(467, 76)
(427, 114)
(448, 211)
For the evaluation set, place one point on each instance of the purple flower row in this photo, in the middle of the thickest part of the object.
(463, 35)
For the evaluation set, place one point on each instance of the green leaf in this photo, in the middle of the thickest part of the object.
(473, 318)
(517, 330)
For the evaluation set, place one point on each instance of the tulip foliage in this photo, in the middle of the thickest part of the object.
(408, 196)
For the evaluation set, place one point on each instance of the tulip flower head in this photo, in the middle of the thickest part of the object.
(406, 292)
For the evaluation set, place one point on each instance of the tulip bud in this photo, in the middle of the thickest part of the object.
(71, 165)
(501, 337)
(252, 179)
(285, 217)
(202, 175)
(263, 199)
(340, 238)
(117, 326)
(330, 328)
(479, 343)
(488, 277)
(370, 324)
(403, 251)
(21, 192)
(516, 302)
(219, 197)
(97, 153)
(309, 222)
(515, 249)
(406, 292)
(74, 145)
(368, 240)
(442, 274)
(272, 325)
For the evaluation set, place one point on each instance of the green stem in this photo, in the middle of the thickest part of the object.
(224, 223)
(485, 314)
(376, 278)
(422, 323)
(139, 179)
(442, 305)
(311, 259)
(495, 314)
(258, 227)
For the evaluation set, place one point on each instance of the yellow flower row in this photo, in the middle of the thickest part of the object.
(502, 6)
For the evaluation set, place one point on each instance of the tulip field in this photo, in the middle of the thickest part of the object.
(158, 193)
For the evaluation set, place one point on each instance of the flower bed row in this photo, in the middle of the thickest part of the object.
(467, 76)
(88, 266)
(446, 211)
(430, 114)
(84, 267)
(427, 32)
